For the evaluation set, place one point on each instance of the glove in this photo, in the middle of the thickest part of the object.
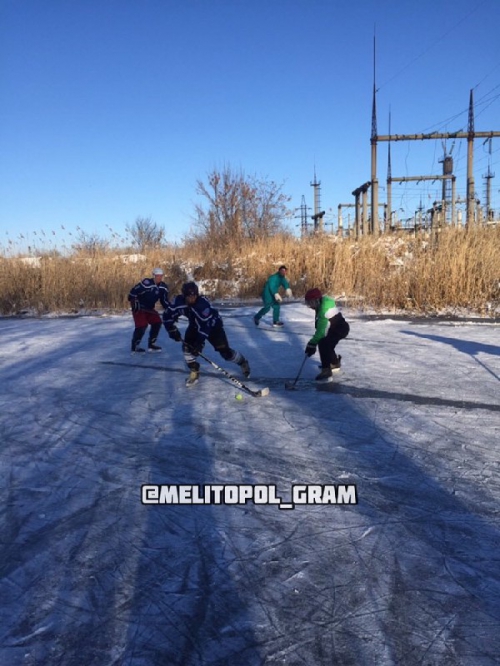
(288, 293)
(175, 335)
(135, 305)
(277, 298)
(310, 349)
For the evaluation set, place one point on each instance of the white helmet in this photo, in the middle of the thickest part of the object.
(158, 271)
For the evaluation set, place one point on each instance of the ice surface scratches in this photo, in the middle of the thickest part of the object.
(409, 576)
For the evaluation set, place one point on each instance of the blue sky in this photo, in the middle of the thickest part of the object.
(113, 109)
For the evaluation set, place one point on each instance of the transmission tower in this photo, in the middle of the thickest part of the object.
(303, 217)
(318, 213)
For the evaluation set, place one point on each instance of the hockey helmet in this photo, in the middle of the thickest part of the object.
(190, 289)
(313, 295)
(158, 271)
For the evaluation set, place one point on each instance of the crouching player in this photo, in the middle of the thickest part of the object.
(327, 316)
(205, 323)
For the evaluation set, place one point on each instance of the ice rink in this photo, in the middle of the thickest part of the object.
(409, 575)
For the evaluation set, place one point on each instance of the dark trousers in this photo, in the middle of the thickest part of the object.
(218, 340)
(339, 329)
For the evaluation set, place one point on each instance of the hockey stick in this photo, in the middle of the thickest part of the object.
(290, 386)
(256, 394)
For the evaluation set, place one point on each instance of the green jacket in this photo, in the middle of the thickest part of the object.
(326, 310)
(272, 286)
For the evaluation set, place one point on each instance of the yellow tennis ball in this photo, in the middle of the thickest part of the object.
(238, 396)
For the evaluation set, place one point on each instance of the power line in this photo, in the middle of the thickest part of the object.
(490, 102)
(432, 45)
(481, 101)
(486, 75)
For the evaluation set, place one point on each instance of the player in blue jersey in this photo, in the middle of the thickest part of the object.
(205, 323)
(143, 298)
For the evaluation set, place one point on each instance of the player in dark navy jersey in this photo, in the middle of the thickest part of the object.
(143, 298)
(205, 323)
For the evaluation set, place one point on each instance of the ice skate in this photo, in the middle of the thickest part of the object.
(193, 378)
(324, 376)
(137, 350)
(245, 368)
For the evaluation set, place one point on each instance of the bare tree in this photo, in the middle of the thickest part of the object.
(145, 233)
(90, 244)
(238, 207)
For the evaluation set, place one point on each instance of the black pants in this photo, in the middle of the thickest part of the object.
(339, 329)
(218, 340)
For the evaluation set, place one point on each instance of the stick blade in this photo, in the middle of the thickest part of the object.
(263, 392)
(290, 386)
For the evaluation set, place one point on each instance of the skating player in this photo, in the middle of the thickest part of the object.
(143, 298)
(271, 296)
(328, 316)
(205, 323)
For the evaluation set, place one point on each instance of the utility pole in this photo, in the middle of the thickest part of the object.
(471, 195)
(318, 214)
(388, 220)
(360, 213)
(446, 195)
(340, 229)
(418, 216)
(488, 212)
(374, 223)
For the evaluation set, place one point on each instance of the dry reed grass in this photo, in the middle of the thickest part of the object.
(424, 274)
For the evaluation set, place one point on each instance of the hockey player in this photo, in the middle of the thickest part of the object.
(271, 296)
(205, 323)
(327, 313)
(143, 298)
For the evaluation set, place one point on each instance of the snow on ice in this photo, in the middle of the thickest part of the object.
(408, 575)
